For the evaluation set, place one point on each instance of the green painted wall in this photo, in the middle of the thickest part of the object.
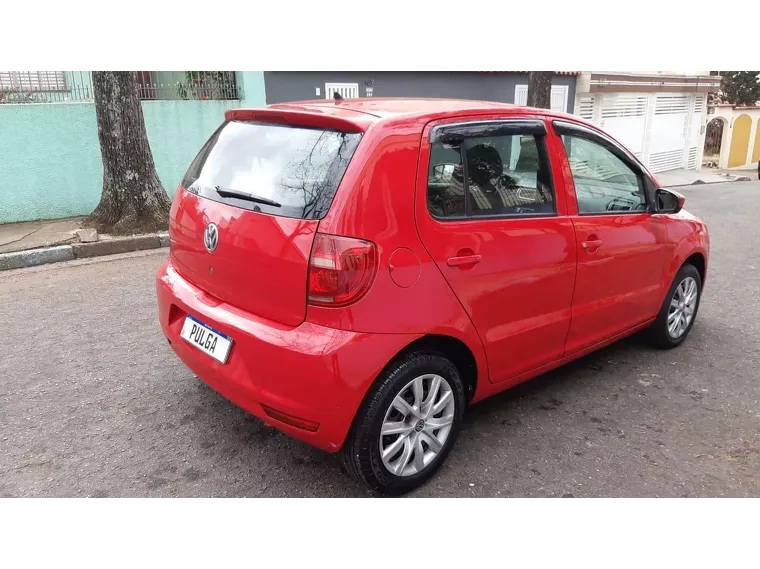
(177, 130)
(50, 165)
(49, 161)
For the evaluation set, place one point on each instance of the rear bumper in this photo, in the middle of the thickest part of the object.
(314, 373)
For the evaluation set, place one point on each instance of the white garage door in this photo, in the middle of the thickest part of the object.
(669, 132)
(624, 116)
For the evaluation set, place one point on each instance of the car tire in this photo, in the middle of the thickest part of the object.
(362, 453)
(660, 335)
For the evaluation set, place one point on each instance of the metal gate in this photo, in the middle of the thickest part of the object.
(669, 132)
(713, 138)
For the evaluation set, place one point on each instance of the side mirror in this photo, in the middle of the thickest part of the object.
(668, 201)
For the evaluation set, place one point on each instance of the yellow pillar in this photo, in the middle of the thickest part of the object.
(756, 148)
(737, 156)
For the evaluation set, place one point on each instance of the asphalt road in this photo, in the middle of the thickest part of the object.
(94, 403)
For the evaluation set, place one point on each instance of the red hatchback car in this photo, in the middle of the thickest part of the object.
(357, 272)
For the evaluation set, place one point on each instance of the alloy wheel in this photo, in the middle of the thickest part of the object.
(683, 304)
(417, 425)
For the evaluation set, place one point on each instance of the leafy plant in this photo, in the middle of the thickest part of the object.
(205, 85)
(740, 87)
(15, 96)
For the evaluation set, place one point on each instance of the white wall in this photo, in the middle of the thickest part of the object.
(730, 113)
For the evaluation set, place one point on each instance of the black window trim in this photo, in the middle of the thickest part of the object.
(460, 131)
(479, 129)
(645, 183)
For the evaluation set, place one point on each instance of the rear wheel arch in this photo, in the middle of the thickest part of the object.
(449, 347)
(453, 349)
(366, 447)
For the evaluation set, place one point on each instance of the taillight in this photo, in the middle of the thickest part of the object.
(341, 270)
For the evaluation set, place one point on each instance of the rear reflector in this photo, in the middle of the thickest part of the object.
(341, 270)
(291, 420)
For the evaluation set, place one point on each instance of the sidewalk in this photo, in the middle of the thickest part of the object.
(676, 178)
(35, 234)
(34, 243)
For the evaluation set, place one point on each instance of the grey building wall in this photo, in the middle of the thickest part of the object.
(287, 86)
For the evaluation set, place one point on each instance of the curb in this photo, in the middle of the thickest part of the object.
(60, 253)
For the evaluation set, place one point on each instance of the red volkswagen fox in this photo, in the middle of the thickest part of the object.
(357, 272)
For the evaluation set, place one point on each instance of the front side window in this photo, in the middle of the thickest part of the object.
(603, 182)
(504, 175)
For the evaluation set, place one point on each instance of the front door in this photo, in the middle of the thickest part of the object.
(491, 221)
(622, 248)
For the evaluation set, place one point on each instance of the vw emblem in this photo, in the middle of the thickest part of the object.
(211, 237)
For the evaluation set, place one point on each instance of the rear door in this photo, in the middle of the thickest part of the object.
(489, 217)
(244, 219)
(623, 249)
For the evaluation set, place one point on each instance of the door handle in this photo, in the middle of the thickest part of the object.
(592, 244)
(463, 260)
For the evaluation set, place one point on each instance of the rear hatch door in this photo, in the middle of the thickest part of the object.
(244, 218)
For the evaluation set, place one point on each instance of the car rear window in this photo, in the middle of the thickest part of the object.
(297, 168)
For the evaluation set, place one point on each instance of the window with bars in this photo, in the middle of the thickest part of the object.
(33, 86)
(32, 81)
(345, 90)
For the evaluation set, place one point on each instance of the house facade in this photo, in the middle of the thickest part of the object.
(659, 115)
(502, 86)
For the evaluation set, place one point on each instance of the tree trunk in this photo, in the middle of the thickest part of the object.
(133, 199)
(540, 89)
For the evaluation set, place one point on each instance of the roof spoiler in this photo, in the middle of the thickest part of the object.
(314, 118)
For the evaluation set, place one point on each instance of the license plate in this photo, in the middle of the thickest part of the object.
(206, 339)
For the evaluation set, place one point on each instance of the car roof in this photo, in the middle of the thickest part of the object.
(360, 114)
(384, 107)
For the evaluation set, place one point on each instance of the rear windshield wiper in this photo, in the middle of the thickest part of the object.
(225, 193)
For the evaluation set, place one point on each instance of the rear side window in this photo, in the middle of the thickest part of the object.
(277, 169)
(490, 176)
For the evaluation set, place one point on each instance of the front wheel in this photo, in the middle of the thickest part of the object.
(407, 424)
(679, 310)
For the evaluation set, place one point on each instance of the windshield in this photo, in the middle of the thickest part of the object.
(296, 170)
